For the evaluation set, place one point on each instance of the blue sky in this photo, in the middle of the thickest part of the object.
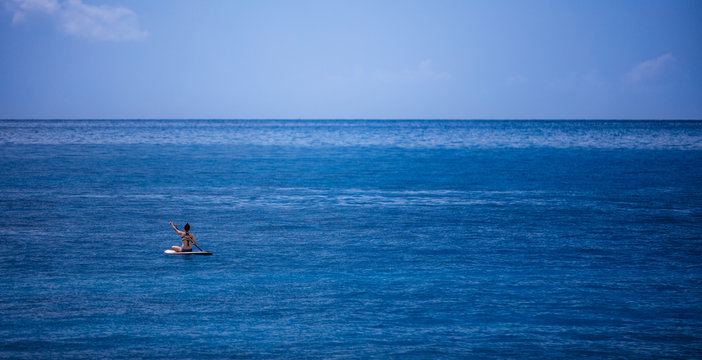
(351, 59)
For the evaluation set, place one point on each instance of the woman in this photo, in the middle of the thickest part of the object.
(187, 237)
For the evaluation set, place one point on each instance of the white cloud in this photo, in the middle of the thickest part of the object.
(650, 68)
(101, 23)
(21, 8)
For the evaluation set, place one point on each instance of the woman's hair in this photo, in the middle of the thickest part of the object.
(186, 227)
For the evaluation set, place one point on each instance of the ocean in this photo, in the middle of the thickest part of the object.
(351, 239)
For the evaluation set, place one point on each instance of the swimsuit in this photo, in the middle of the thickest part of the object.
(187, 240)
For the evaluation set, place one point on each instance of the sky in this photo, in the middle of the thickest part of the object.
(356, 59)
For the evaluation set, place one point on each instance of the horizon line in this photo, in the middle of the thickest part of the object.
(347, 119)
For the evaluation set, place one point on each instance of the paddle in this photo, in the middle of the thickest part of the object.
(206, 252)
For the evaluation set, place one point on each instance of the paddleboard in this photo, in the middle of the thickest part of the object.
(173, 252)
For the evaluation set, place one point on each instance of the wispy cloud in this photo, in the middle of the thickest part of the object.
(22, 8)
(100, 23)
(424, 71)
(650, 68)
(516, 80)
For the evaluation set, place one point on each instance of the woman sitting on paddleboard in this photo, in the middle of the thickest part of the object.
(187, 237)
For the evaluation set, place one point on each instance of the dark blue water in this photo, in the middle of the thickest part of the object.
(352, 239)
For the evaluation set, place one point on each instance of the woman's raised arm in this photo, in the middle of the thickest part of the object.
(175, 228)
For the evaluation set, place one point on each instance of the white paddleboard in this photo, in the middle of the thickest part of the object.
(173, 252)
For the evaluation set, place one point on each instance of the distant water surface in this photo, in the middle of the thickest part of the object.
(686, 135)
(352, 239)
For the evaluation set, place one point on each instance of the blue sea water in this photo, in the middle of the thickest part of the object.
(351, 239)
